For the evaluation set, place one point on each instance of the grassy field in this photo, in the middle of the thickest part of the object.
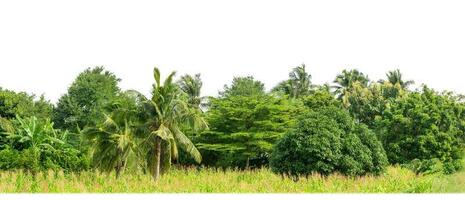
(396, 180)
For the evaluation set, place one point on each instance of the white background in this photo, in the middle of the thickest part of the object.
(45, 44)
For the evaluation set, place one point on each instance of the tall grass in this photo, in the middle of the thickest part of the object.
(395, 180)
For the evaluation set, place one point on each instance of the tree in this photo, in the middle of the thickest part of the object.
(244, 129)
(115, 144)
(243, 86)
(83, 104)
(164, 114)
(425, 126)
(192, 87)
(327, 140)
(366, 104)
(395, 77)
(347, 79)
(298, 85)
(24, 105)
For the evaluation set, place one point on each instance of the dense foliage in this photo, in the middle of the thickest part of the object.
(243, 129)
(83, 104)
(328, 140)
(424, 125)
(35, 145)
(354, 126)
(24, 105)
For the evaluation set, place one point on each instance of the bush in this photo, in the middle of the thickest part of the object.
(326, 141)
(34, 144)
(314, 147)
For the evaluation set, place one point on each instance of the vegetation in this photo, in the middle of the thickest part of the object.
(352, 136)
(327, 140)
(424, 126)
(209, 180)
(82, 106)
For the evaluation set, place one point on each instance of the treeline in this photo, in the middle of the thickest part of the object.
(353, 126)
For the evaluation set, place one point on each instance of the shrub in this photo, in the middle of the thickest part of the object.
(327, 140)
(314, 147)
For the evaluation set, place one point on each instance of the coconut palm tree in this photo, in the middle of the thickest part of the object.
(114, 141)
(347, 79)
(192, 85)
(395, 77)
(299, 83)
(164, 115)
(300, 80)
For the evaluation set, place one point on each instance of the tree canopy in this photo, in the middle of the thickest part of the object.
(83, 104)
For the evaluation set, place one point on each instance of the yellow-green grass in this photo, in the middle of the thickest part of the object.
(395, 180)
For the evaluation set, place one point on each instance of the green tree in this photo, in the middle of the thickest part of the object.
(424, 125)
(367, 104)
(164, 115)
(83, 104)
(347, 79)
(243, 86)
(299, 83)
(24, 105)
(327, 140)
(244, 128)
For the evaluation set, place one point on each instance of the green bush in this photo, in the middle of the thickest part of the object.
(327, 140)
(314, 147)
(33, 144)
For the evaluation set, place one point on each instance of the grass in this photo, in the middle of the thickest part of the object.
(395, 180)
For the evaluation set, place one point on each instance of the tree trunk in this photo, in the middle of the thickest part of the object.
(247, 164)
(118, 170)
(158, 164)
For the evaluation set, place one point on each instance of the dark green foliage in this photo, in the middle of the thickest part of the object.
(327, 140)
(314, 147)
(368, 138)
(82, 105)
(244, 128)
(424, 125)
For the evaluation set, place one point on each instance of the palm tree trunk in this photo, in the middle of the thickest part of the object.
(118, 170)
(158, 164)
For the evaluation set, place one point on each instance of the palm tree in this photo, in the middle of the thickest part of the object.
(347, 79)
(300, 80)
(164, 114)
(114, 140)
(192, 87)
(395, 77)
(299, 83)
